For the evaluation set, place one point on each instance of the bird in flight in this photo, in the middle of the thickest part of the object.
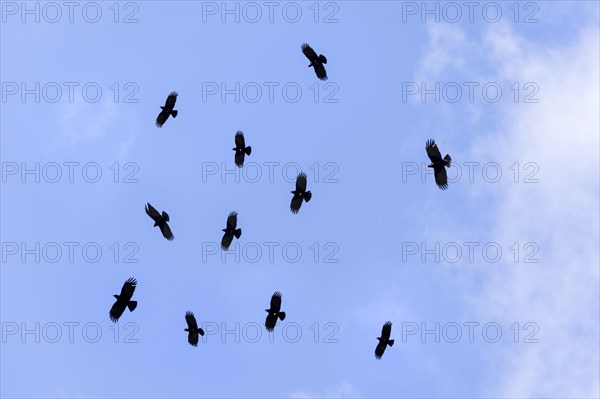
(315, 61)
(240, 149)
(384, 340)
(438, 164)
(193, 329)
(123, 300)
(230, 231)
(300, 193)
(160, 221)
(167, 110)
(274, 312)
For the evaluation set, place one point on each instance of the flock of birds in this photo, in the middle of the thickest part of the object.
(300, 194)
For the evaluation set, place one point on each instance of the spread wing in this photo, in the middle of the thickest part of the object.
(153, 213)
(171, 100)
(226, 241)
(441, 178)
(433, 152)
(296, 204)
(190, 319)
(276, 302)
(162, 117)
(232, 220)
(301, 182)
(117, 310)
(380, 349)
(309, 53)
(193, 328)
(386, 330)
(166, 232)
(320, 71)
(128, 290)
(239, 140)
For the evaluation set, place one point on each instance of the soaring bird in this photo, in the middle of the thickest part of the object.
(300, 193)
(240, 149)
(438, 164)
(230, 231)
(273, 312)
(160, 221)
(315, 61)
(167, 109)
(384, 340)
(123, 300)
(193, 329)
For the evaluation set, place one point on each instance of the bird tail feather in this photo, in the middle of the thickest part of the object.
(238, 233)
(448, 159)
(281, 316)
(174, 113)
(391, 342)
(132, 305)
(307, 196)
(248, 150)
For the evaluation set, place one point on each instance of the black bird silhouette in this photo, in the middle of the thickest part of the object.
(315, 61)
(230, 231)
(160, 221)
(438, 164)
(167, 110)
(123, 300)
(193, 329)
(384, 340)
(300, 193)
(240, 149)
(274, 312)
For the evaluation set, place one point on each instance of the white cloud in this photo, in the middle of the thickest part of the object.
(561, 212)
(105, 124)
(343, 390)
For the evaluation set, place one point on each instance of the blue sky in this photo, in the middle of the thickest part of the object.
(357, 142)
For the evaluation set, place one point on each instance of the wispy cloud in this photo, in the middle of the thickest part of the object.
(561, 212)
(104, 123)
(343, 390)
